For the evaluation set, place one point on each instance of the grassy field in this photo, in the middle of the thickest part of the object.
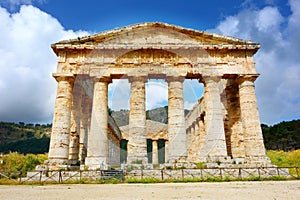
(285, 159)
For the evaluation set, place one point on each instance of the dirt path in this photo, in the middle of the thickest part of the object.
(227, 190)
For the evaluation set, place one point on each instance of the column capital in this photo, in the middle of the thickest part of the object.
(106, 79)
(250, 77)
(206, 79)
(175, 79)
(137, 78)
(61, 77)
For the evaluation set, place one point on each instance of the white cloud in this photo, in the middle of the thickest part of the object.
(27, 62)
(118, 94)
(156, 94)
(277, 61)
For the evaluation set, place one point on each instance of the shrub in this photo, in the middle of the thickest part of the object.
(23, 163)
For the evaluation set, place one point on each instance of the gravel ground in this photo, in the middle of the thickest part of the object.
(226, 190)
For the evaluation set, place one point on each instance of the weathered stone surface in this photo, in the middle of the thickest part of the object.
(59, 143)
(137, 146)
(155, 152)
(224, 124)
(176, 120)
(97, 152)
(215, 145)
(254, 145)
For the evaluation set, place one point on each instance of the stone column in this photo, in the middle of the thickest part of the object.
(236, 130)
(75, 125)
(189, 141)
(190, 138)
(97, 151)
(196, 141)
(84, 127)
(176, 120)
(215, 144)
(254, 145)
(74, 140)
(166, 151)
(155, 152)
(60, 136)
(137, 142)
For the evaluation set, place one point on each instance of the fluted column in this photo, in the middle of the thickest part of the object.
(60, 136)
(75, 125)
(137, 142)
(176, 121)
(215, 144)
(188, 141)
(84, 127)
(166, 150)
(236, 131)
(195, 141)
(154, 151)
(97, 151)
(254, 146)
(74, 141)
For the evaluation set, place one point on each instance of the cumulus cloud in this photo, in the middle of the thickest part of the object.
(156, 94)
(119, 94)
(277, 61)
(27, 62)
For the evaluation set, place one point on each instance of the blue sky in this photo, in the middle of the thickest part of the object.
(29, 27)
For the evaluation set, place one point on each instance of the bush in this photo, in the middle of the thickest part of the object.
(19, 162)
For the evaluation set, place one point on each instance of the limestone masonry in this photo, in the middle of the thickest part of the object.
(223, 127)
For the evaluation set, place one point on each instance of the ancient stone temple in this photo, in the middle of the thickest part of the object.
(223, 126)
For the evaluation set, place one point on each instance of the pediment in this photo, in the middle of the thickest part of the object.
(154, 34)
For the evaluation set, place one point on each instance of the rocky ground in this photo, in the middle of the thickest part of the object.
(226, 190)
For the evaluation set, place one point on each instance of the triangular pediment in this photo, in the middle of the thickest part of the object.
(155, 33)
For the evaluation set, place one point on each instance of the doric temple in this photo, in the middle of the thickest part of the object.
(223, 126)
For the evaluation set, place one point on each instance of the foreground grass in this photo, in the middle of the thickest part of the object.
(286, 159)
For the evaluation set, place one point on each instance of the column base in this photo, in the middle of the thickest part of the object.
(96, 163)
(137, 160)
(57, 164)
(180, 159)
(258, 161)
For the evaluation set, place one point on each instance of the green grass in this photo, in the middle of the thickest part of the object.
(286, 159)
(143, 180)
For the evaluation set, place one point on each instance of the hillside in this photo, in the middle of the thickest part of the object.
(283, 136)
(25, 138)
(158, 114)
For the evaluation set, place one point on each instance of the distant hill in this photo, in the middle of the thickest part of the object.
(121, 117)
(24, 138)
(158, 114)
(282, 136)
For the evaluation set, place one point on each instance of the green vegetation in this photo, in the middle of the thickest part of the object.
(32, 145)
(23, 163)
(24, 138)
(284, 159)
(144, 180)
(283, 136)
